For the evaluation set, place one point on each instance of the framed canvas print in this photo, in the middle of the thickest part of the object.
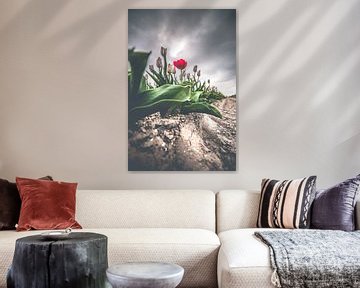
(181, 89)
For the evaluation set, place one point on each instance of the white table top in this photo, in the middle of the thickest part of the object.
(146, 270)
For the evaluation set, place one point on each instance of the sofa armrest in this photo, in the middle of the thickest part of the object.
(357, 215)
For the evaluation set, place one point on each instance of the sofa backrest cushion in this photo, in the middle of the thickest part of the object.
(146, 209)
(236, 209)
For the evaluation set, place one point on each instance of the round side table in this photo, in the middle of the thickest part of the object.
(78, 261)
(145, 275)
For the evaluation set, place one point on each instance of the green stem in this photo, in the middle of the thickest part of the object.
(159, 76)
(172, 79)
(165, 69)
(175, 79)
(157, 81)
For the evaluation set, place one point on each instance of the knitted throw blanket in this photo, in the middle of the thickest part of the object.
(313, 258)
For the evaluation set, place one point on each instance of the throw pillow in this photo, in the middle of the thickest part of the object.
(334, 208)
(10, 204)
(286, 204)
(46, 204)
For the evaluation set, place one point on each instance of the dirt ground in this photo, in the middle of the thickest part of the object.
(193, 142)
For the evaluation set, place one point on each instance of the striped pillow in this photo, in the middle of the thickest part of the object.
(286, 204)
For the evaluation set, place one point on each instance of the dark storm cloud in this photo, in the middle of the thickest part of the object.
(203, 37)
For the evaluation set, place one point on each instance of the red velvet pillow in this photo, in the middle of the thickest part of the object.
(10, 204)
(46, 204)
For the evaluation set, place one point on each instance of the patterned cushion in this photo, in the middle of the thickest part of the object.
(286, 204)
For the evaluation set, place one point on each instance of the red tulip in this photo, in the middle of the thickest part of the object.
(180, 64)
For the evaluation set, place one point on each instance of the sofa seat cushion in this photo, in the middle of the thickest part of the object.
(194, 249)
(244, 261)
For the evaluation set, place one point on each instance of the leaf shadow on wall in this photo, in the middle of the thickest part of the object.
(24, 19)
(90, 29)
(284, 90)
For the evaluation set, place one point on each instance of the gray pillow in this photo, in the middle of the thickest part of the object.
(334, 208)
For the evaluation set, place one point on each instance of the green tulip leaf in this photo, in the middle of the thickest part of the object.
(129, 80)
(138, 62)
(201, 107)
(160, 99)
(195, 96)
(142, 87)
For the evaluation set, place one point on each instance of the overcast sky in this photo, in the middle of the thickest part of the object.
(203, 37)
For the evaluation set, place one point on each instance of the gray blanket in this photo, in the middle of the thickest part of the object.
(314, 258)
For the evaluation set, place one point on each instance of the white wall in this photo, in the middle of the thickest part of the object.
(63, 92)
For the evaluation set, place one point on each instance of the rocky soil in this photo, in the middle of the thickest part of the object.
(193, 142)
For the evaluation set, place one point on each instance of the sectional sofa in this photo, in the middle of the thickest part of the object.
(210, 235)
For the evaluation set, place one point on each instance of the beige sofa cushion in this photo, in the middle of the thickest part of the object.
(194, 249)
(146, 209)
(236, 209)
(244, 261)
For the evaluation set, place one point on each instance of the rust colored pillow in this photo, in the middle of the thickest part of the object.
(46, 204)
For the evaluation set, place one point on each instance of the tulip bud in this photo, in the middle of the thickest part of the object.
(188, 76)
(173, 69)
(169, 69)
(158, 62)
(163, 51)
(198, 73)
(209, 81)
(151, 67)
(195, 68)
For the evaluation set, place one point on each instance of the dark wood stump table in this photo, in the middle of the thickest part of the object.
(79, 261)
